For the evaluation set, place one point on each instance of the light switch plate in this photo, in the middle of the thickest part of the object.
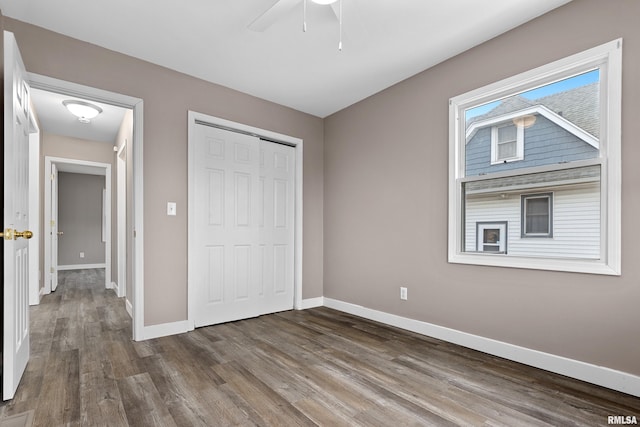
(171, 208)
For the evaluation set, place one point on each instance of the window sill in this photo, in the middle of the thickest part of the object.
(507, 261)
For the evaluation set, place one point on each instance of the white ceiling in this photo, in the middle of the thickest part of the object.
(56, 119)
(385, 41)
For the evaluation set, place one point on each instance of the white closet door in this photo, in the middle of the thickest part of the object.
(243, 221)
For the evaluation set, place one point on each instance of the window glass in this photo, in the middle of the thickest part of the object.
(507, 142)
(537, 215)
(527, 164)
(560, 123)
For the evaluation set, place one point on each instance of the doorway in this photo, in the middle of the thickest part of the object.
(134, 181)
(86, 218)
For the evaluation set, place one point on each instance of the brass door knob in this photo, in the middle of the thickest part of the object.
(26, 234)
(11, 234)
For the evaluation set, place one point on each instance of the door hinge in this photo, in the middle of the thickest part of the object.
(53, 222)
(53, 270)
(53, 177)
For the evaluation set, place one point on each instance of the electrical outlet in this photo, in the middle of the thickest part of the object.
(81, 254)
(403, 293)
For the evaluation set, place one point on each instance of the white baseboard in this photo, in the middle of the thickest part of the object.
(114, 286)
(80, 266)
(163, 330)
(129, 307)
(600, 375)
(311, 303)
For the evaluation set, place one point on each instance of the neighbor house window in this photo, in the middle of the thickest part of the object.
(507, 142)
(535, 167)
(537, 215)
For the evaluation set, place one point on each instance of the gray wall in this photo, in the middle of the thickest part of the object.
(386, 182)
(168, 95)
(80, 218)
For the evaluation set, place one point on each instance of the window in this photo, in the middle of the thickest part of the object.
(539, 153)
(507, 142)
(537, 215)
(492, 237)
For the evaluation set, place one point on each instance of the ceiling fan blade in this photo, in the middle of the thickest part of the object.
(271, 15)
(353, 27)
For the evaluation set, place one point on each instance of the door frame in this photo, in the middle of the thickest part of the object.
(35, 291)
(121, 219)
(82, 167)
(137, 105)
(195, 118)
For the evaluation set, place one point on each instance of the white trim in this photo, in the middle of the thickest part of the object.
(35, 291)
(114, 286)
(138, 224)
(311, 303)
(599, 375)
(137, 105)
(608, 57)
(297, 143)
(163, 330)
(121, 218)
(128, 307)
(84, 267)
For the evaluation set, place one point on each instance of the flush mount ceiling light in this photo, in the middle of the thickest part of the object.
(84, 111)
(324, 1)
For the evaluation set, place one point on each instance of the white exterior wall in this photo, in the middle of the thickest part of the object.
(576, 222)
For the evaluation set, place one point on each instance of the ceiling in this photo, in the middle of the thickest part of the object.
(384, 41)
(56, 119)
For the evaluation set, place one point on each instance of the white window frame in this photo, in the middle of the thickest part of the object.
(608, 58)
(519, 143)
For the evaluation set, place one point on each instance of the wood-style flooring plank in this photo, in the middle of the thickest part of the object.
(59, 397)
(142, 402)
(101, 402)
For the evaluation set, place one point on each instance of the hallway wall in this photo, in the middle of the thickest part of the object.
(80, 213)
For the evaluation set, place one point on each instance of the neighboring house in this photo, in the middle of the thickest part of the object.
(528, 209)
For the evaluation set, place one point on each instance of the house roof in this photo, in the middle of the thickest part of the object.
(578, 175)
(579, 106)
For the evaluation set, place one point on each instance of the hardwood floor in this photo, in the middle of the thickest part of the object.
(312, 367)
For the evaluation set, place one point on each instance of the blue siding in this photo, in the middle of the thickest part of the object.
(544, 143)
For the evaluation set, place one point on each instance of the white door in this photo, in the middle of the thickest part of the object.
(243, 265)
(55, 233)
(15, 354)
